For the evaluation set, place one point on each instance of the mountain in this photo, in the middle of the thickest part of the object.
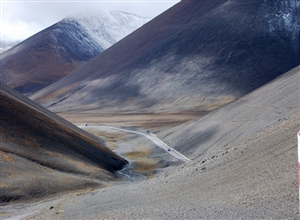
(196, 56)
(43, 154)
(54, 52)
(244, 167)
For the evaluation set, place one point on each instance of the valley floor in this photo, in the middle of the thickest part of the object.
(156, 121)
(260, 183)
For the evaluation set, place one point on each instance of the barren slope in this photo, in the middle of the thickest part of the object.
(198, 55)
(251, 173)
(273, 102)
(43, 154)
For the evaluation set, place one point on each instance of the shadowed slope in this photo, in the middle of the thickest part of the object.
(35, 139)
(198, 55)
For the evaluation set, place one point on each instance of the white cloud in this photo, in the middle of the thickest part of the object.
(18, 31)
(21, 19)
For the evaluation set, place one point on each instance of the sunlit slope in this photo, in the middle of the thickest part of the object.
(259, 109)
(198, 55)
(42, 153)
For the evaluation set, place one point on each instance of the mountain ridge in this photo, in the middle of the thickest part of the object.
(217, 52)
(48, 146)
(57, 50)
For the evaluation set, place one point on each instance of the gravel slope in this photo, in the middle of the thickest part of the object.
(251, 113)
(254, 176)
(260, 182)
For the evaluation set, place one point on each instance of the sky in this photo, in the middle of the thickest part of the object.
(21, 19)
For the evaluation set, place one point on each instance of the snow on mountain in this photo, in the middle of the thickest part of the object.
(107, 28)
(196, 56)
(282, 15)
(59, 49)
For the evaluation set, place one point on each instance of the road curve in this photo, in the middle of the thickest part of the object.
(151, 137)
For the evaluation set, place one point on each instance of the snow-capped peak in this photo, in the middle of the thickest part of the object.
(107, 28)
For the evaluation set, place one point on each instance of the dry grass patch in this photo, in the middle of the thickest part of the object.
(146, 165)
(6, 157)
(111, 139)
(142, 162)
(137, 153)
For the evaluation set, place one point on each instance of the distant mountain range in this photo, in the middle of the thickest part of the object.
(54, 52)
(198, 55)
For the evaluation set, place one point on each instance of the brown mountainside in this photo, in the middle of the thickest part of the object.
(37, 145)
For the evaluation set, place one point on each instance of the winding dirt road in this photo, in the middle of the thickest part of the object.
(151, 137)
